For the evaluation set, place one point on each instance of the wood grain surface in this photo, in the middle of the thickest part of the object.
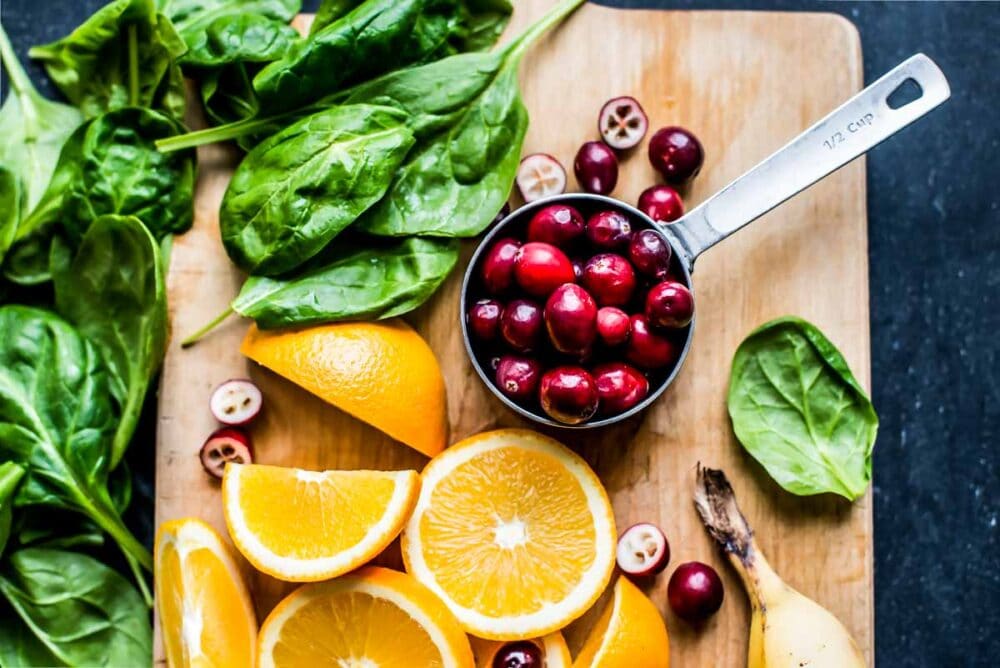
(744, 83)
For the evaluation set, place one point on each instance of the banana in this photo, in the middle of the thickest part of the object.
(787, 630)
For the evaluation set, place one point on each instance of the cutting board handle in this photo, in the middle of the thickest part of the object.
(868, 118)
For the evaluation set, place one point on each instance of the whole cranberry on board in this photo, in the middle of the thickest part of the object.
(676, 154)
(596, 168)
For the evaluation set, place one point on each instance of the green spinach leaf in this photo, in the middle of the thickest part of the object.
(798, 410)
(58, 418)
(71, 611)
(240, 38)
(298, 189)
(113, 291)
(352, 283)
(191, 17)
(124, 55)
(331, 11)
(10, 477)
(10, 208)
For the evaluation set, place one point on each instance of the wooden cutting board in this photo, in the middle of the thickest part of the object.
(744, 83)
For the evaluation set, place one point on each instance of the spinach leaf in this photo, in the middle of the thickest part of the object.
(58, 418)
(191, 17)
(799, 411)
(10, 208)
(32, 130)
(331, 11)
(55, 528)
(240, 38)
(353, 283)
(71, 611)
(377, 36)
(113, 291)
(483, 21)
(124, 55)
(10, 477)
(298, 189)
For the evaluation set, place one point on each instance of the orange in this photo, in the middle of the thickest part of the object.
(374, 617)
(305, 526)
(379, 372)
(555, 652)
(205, 610)
(514, 532)
(630, 633)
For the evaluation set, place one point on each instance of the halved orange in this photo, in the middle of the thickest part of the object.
(555, 651)
(630, 633)
(514, 532)
(374, 617)
(304, 526)
(206, 616)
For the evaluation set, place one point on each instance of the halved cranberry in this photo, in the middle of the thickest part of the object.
(556, 224)
(236, 402)
(521, 325)
(669, 304)
(223, 446)
(540, 175)
(609, 229)
(517, 377)
(649, 253)
(596, 167)
(571, 318)
(568, 394)
(619, 386)
(661, 203)
(646, 348)
(498, 266)
(484, 319)
(622, 122)
(613, 325)
(643, 550)
(540, 268)
(676, 154)
(610, 278)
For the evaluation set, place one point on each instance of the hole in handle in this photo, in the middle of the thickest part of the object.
(905, 93)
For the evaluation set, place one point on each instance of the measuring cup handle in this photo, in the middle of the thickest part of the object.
(849, 131)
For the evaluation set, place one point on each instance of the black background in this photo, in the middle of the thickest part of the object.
(934, 246)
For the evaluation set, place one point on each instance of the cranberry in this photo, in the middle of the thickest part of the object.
(556, 224)
(646, 348)
(643, 550)
(229, 444)
(520, 654)
(661, 203)
(622, 122)
(521, 325)
(695, 591)
(540, 268)
(619, 386)
(517, 377)
(669, 304)
(498, 266)
(484, 319)
(568, 394)
(649, 253)
(613, 325)
(609, 229)
(571, 318)
(610, 278)
(596, 167)
(676, 154)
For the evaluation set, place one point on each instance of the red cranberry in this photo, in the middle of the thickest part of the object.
(676, 154)
(609, 229)
(620, 387)
(520, 654)
(695, 591)
(613, 325)
(661, 203)
(568, 394)
(571, 318)
(646, 348)
(556, 224)
(484, 319)
(521, 325)
(669, 304)
(540, 268)
(649, 253)
(498, 266)
(596, 167)
(610, 278)
(517, 377)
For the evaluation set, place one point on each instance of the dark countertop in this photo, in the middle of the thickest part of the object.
(934, 247)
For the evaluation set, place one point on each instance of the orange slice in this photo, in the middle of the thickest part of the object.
(379, 372)
(374, 617)
(555, 652)
(514, 532)
(304, 526)
(205, 610)
(630, 633)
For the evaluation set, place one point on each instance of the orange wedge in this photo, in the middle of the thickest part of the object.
(630, 633)
(374, 617)
(555, 652)
(379, 372)
(514, 532)
(304, 526)
(205, 610)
